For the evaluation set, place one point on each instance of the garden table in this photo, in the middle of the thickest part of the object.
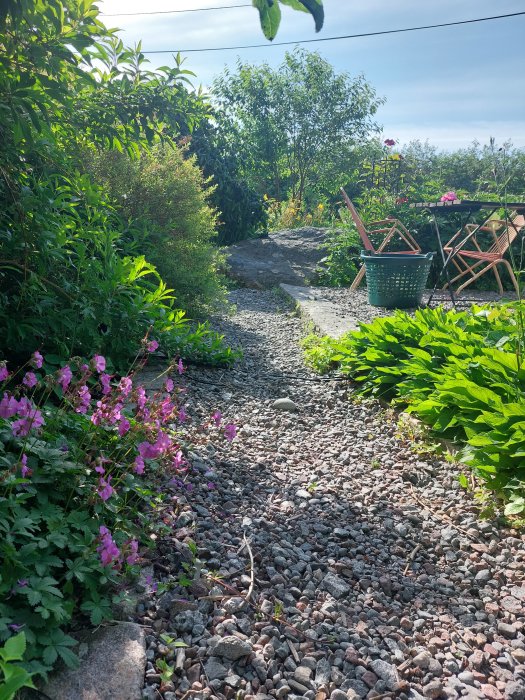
(467, 206)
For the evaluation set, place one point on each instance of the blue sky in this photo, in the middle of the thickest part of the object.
(450, 85)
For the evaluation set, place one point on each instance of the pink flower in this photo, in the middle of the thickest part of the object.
(84, 399)
(133, 555)
(178, 460)
(105, 490)
(65, 376)
(3, 373)
(31, 418)
(30, 379)
(139, 465)
(105, 383)
(125, 386)
(169, 384)
(163, 442)
(108, 550)
(152, 346)
(449, 197)
(390, 142)
(166, 410)
(230, 431)
(147, 450)
(141, 397)
(123, 426)
(37, 360)
(180, 366)
(8, 406)
(100, 469)
(183, 416)
(217, 418)
(24, 468)
(99, 363)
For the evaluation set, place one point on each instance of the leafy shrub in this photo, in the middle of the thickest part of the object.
(80, 479)
(164, 195)
(14, 677)
(460, 372)
(240, 209)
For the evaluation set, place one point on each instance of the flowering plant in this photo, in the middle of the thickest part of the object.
(78, 477)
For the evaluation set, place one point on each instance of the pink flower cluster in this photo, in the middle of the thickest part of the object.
(111, 554)
(29, 416)
(449, 197)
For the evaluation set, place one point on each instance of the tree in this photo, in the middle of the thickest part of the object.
(295, 127)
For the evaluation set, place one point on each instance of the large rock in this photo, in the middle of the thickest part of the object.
(113, 667)
(290, 256)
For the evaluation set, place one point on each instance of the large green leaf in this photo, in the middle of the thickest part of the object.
(269, 15)
(314, 7)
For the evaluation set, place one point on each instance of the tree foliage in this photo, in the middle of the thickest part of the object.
(295, 127)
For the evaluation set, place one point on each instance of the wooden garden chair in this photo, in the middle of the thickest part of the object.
(474, 262)
(389, 228)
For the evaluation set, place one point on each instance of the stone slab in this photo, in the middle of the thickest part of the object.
(112, 666)
(324, 314)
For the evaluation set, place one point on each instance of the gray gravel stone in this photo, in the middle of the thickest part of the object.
(336, 586)
(232, 648)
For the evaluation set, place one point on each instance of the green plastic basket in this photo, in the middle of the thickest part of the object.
(396, 280)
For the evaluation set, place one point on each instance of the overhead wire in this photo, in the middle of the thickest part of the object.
(336, 38)
(172, 12)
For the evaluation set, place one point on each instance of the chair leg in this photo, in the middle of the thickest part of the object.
(476, 276)
(469, 270)
(358, 279)
(498, 279)
(512, 276)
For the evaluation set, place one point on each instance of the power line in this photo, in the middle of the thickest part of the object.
(171, 12)
(335, 38)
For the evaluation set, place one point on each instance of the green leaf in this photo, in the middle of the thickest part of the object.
(314, 7)
(269, 16)
(14, 648)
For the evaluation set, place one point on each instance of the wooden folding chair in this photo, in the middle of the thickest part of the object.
(389, 227)
(503, 232)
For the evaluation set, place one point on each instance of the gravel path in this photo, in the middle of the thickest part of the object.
(372, 574)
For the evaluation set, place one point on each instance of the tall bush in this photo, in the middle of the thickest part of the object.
(165, 196)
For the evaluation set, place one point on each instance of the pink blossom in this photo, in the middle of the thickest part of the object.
(147, 450)
(449, 197)
(105, 382)
(163, 442)
(105, 490)
(230, 431)
(84, 399)
(180, 366)
(152, 346)
(141, 397)
(65, 376)
(84, 368)
(133, 555)
(183, 416)
(166, 410)
(31, 418)
(217, 418)
(30, 379)
(177, 460)
(100, 469)
(169, 384)
(3, 373)
(139, 465)
(37, 360)
(123, 426)
(99, 363)
(24, 469)
(390, 142)
(108, 550)
(8, 406)
(125, 386)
